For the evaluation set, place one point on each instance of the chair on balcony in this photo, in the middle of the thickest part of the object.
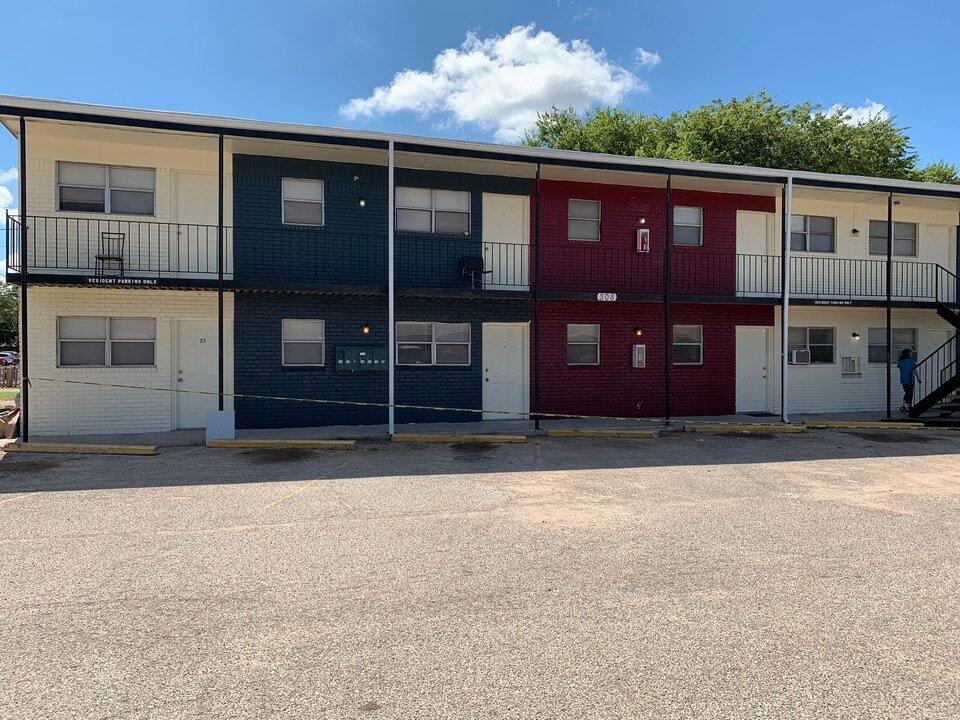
(110, 250)
(472, 267)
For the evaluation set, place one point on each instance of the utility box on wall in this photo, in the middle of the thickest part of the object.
(639, 356)
(361, 359)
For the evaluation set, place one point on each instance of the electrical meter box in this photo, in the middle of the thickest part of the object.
(361, 359)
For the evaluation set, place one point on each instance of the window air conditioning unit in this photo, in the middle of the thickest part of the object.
(850, 366)
(800, 357)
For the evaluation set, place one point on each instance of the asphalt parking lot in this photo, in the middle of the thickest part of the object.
(807, 576)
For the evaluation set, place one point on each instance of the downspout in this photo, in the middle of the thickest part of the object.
(220, 274)
(536, 307)
(391, 329)
(667, 337)
(889, 308)
(785, 298)
(24, 344)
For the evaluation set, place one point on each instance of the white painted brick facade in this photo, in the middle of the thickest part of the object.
(66, 409)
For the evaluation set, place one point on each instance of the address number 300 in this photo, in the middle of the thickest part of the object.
(608, 297)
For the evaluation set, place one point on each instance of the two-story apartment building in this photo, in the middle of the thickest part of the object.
(174, 264)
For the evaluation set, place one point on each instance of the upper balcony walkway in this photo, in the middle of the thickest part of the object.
(71, 250)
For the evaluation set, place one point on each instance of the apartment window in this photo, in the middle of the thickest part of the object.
(430, 343)
(583, 220)
(819, 341)
(302, 202)
(444, 212)
(877, 343)
(687, 226)
(106, 342)
(302, 343)
(583, 344)
(812, 233)
(105, 189)
(904, 238)
(688, 344)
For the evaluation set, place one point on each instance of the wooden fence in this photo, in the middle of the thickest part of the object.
(10, 376)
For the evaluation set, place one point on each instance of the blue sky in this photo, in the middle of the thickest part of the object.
(481, 70)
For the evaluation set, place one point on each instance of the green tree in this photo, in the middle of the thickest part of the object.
(9, 318)
(755, 130)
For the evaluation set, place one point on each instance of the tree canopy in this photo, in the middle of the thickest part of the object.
(9, 320)
(755, 130)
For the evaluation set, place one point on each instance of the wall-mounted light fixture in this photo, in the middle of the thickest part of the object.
(638, 331)
(363, 202)
(855, 232)
(855, 336)
(365, 329)
(642, 220)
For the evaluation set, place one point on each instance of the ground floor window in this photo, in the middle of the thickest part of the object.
(688, 344)
(583, 344)
(106, 342)
(433, 343)
(302, 343)
(877, 343)
(819, 341)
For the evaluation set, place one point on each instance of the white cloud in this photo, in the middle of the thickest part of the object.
(6, 198)
(501, 83)
(648, 59)
(862, 114)
(8, 176)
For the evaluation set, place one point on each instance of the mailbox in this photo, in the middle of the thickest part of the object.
(361, 359)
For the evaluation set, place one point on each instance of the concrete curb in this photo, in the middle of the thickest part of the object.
(745, 428)
(82, 449)
(613, 433)
(427, 438)
(866, 425)
(285, 444)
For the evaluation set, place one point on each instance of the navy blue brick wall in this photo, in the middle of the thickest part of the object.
(258, 321)
(351, 247)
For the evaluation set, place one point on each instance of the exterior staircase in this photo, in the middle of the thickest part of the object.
(939, 373)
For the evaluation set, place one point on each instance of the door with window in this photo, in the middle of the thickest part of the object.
(506, 241)
(195, 372)
(506, 386)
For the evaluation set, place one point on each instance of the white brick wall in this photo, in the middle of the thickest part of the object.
(820, 388)
(65, 409)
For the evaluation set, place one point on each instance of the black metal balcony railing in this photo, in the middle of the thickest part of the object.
(148, 249)
(307, 256)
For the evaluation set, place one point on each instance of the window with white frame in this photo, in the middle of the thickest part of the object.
(105, 189)
(687, 226)
(812, 233)
(302, 202)
(819, 341)
(433, 343)
(583, 344)
(903, 338)
(904, 238)
(302, 343)
(106, 342)
(583, 220)
(442, 212)
(688, 344)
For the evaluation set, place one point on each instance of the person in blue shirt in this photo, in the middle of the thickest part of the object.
(908, 373)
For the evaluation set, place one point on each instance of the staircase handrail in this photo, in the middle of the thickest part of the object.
(946, 288)
(929, 370)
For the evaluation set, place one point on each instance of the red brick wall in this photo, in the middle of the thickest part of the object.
(614, 387)
(613, 265)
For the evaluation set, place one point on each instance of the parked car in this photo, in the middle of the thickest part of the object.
(9, 358)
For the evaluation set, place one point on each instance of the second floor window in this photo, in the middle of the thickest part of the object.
(904, 238)
(302, 202)
(444, 212)
(105, 189)
(812, 233)
(583, 220)
(687, 226)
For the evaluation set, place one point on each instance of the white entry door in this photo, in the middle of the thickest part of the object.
(506, 241)
(752, 369)
(506, 370)
(196, 370)
(195, 234)
(756, 273)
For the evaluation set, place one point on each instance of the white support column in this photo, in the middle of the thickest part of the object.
(391, 324)
(785, 303)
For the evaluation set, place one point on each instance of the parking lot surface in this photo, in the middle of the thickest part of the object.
(743, 576)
